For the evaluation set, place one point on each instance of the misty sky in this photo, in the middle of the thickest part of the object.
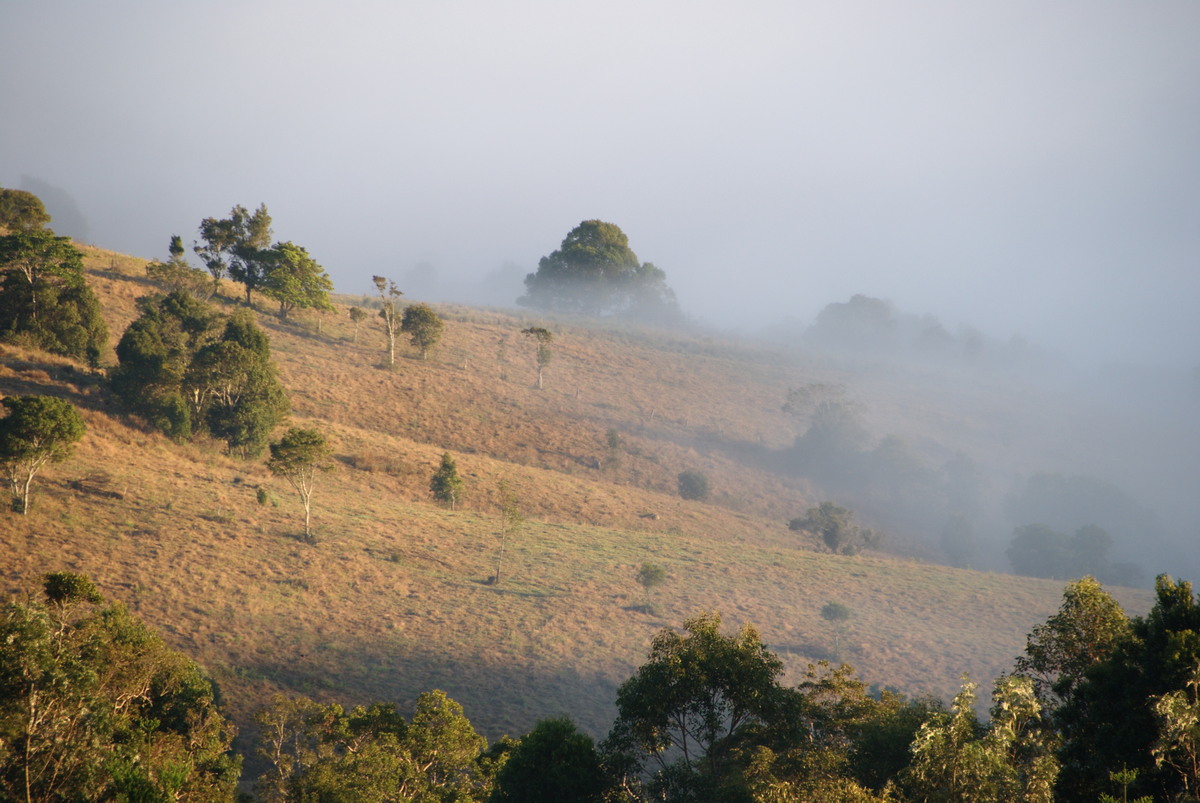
(1027, 167)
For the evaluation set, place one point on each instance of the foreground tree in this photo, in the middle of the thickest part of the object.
(36, 430)
(686, 708)
(424, 327)
(297, 457)
(544, 338)
(44, 296)
(445, 485)
(295, 280)
(94, 706)
(595, 272)
(554, 761)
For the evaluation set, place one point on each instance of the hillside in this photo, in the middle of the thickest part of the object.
(393, 598)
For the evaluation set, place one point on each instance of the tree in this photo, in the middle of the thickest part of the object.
(835, 527)
(445, 485)
(389, 296)
(357, 315)
(594, 272)
(37, 430)
(511, 522)
(44, 294)
(297, 457)
(554, 761)
(94, 706)
(1085, 631)
(424, 327)
(698, 692)
(22, 211)
(544, 338)
(236, 246)
(295, 280)
(693, 485)
(651, 576)
(177, 274)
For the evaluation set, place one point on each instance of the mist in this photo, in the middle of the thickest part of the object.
(1023, 173)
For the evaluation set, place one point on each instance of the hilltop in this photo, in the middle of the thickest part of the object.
(393, 597)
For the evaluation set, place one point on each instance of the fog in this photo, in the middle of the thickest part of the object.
(1014, 169)
(1024, 168)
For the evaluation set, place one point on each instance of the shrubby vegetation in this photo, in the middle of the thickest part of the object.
(186, 370)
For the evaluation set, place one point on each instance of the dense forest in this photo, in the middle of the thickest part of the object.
(169, 370)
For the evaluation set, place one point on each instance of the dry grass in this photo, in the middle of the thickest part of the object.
(392, 600)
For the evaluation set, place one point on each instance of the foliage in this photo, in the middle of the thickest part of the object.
(177, 274)
(294, 279)
(445, 485)
(957, 760)
(297, 457)
(36, 430)
(323, 752)
(357, 315)
(237, 246)
(43, 293)
(554, 761)
(835, 527)
(185, 372)
(1088, 626)
(1110, 719)
(389, 296)
(1038, 551)
(651, 575)
(93, 706)
(693, 485)
(687, 706)
(424, 327)
(544, 338)
(22, 211)
(594, 272)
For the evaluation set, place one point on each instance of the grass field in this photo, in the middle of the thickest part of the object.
(393, 598)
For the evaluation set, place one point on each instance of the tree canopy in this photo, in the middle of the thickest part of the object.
(22, 211)
(595, 272)
(297, 457)
(423, 326)
(236, 246)
(295, 280)
(37, 430)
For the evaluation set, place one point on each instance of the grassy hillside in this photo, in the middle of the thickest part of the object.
(393, 598)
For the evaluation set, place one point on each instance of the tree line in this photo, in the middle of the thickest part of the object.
(1099, 707)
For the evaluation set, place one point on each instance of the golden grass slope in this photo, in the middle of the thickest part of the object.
(392, 600)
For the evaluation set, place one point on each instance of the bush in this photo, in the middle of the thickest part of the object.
(693, 485)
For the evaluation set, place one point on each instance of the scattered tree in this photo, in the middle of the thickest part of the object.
(294, 279)
(651, 576)
(357, 315)
(836, 528)
(297, 457)
(693, 485)
(36, 430)
(424, 327)
(544, 338)
(389, 296)
(176, 274)
(22, 211)
(594, 272)
(446, 486)
(511, 522)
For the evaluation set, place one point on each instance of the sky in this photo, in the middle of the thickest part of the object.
(1027, 168)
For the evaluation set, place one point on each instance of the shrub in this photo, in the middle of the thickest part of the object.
(693, 485)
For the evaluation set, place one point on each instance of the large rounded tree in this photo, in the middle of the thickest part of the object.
(595, 272)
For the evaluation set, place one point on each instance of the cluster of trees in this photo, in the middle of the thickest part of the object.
(93, 706)
(189, 370)
(44, 299)
(239, 246)
(595, 272)
(836, 529)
